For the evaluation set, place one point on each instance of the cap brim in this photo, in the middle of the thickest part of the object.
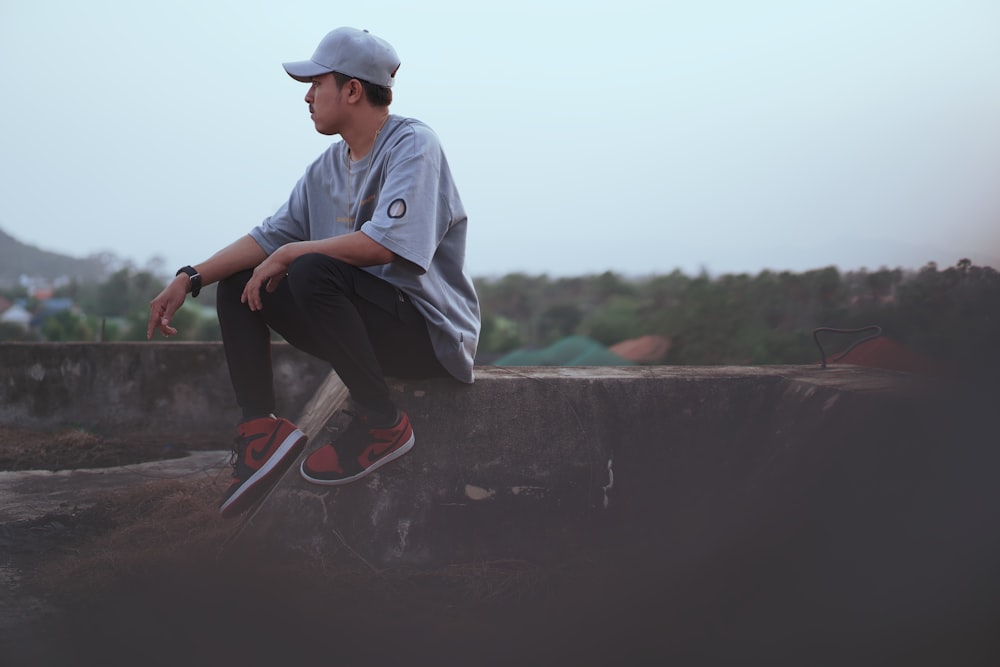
(305, 70)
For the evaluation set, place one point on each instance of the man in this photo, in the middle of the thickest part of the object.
(362, 267)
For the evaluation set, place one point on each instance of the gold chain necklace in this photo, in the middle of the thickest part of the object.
(371, 154)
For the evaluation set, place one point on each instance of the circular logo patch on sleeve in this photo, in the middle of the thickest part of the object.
(397, 208)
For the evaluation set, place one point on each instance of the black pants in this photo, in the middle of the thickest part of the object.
(361, 325)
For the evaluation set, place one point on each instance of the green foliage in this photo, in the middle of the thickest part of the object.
(498, 335)
(615, 320)
(955, 314)
(15, 332)
(207, 328)
(116, 309)
(952, 315)
(67, 325)
(14, 292)
(190, 321)
(559, 321)
(125, 291)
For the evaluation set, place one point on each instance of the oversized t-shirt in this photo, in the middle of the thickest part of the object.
(402, 196)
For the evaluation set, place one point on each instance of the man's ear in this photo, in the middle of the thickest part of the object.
(356, 92)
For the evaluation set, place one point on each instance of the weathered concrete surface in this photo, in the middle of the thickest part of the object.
(163, 388)
(788, 512)
(31, 494)
(838, 516)
(545, 464)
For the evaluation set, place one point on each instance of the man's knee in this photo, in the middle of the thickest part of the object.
(308, 272)
(231, 288)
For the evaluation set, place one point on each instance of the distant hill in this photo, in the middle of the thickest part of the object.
(17, 259)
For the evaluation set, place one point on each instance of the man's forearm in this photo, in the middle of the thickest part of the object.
(356, 248)
(244, 253)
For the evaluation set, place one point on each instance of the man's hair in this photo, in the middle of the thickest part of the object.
(379, 96)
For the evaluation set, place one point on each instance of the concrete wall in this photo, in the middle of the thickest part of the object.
(783, 509)
(138, 389)
(788, 503)
(543, 464)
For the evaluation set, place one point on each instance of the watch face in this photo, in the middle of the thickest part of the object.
(193, 276)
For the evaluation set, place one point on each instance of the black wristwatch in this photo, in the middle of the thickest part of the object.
(194, 276)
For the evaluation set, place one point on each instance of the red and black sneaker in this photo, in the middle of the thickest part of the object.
(363, 448)
(263, 450)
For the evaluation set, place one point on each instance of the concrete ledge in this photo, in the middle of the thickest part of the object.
(837, 482)
(550, 465)
(138, 389)
(788, 512)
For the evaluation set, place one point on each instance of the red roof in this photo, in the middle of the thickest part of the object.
(883, 352)
(643, 350)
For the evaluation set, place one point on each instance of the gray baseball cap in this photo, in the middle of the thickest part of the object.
(356, 53)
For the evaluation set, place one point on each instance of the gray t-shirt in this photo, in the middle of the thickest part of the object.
(402, 196)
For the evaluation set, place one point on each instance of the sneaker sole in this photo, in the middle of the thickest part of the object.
(256, 484)
(407, 446)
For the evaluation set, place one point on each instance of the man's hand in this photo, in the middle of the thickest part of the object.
(268, 274)
(166, 303)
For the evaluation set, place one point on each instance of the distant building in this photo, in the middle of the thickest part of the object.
(17, 315)
(651, 349)
(50, 307)
(571, 351)
(884, 352)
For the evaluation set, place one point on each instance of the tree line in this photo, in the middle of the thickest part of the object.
(114, 309)
(951, 314)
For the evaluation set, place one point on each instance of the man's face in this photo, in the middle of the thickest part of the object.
(325, 104)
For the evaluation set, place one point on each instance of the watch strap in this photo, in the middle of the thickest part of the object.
(193, 276)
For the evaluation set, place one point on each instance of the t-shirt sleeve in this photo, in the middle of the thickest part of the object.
(412, 215)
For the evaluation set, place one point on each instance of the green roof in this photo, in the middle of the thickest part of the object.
(571, 351)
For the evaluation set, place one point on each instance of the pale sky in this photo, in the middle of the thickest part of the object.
(624, 135)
